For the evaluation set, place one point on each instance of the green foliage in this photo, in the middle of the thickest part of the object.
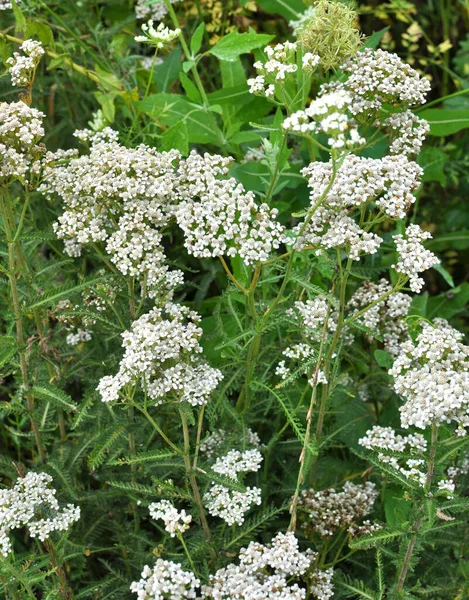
(113, 459)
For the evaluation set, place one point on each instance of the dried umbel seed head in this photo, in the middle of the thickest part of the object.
(331, 33)
(327, 511)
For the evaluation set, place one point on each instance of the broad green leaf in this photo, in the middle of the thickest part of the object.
(197, 37)
(290, 9)
(384, 359)
(432, 160)
(444, 273)
(232, 73)
(374, 39)
(234, 44)
(456, 239)
(448, 304)
(106, 101)
(176, 137)
(168, 72)
(419, 305)
(41, 31)
(235, 95)
(172, 108)
(445, 122)
(191, 90)
(20, 21)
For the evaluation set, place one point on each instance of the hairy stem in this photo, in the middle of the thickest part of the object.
(418, 523)
(13, 246)
(192, 478)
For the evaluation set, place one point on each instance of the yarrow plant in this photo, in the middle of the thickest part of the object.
(226, 369)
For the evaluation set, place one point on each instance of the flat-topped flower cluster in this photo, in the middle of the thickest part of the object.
(32, 503)
(162, 352)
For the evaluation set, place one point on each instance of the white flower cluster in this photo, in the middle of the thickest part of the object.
(78, 326)
(327, 114)
(407, 132)
(159, 37)
(236, 462)
(312, 314)
(432, 375)
(388, 316)
(22, 67)
(211, 446)
(281, 61)
(231, 505)
(385, 438)
(327, 511)
(378, 77)
(175, 521)
(119, 196)
(20, 132)
(228, 504)
(162, 352)
(5, 5)
(165, 581)
(31, 503)
(413, 257)
(124, 197)
(335, 229)
(461, 469)
(388, 182)
(266, 571)
(79, 336)
(156, 10)
(218, 216)
(304, 19)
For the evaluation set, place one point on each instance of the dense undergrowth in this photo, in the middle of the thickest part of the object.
(234, 296)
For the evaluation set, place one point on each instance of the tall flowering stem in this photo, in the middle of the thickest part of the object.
(418, 523)
(192, 478)
(15, 256)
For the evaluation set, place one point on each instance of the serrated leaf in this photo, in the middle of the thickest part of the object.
(50, 297)
(382, 536)
(55, 395)
(103, 444)
(143, 457)
(8, 349)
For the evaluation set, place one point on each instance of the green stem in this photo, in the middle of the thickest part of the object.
(302, 460)
(189, 557)
(158, 429)
(64, 588)
(13, 246)
(192, 479)
(418, 522)
(195, 74)
(244, 396)
(67, 61)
